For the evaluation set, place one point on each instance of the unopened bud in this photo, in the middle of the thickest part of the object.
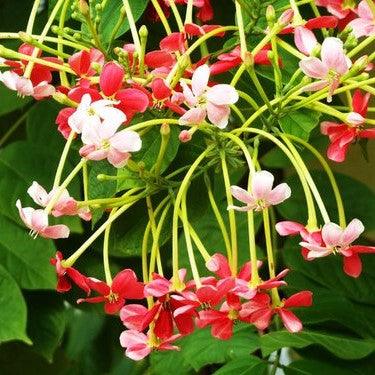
(84, 7)
(64, 100)
(165, 130)
(286, 17)
(270, 15)
(184, 136)
(143, 32)
(360, 64)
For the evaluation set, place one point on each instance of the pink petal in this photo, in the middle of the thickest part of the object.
(126, 141)
(117, 159)
(111, 78)
(218, 115)
(131, 338)
(222, 95)
(354, 229)
(333, 56)
(261, 183)
(241, 194)
(305, 40)
(199, 80)
(157, 288)
(38, 194)
(300, 299)
(332, 234)
(289, 228)
(55, 231)
(189, 97)
(132, 316)
(218, 264)
(193, 116)
(279, 194)
(313, 67)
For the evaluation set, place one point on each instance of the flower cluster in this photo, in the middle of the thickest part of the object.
(114, 92)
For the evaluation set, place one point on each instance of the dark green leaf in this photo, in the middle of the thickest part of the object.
(342, 347)
(13, 310)
(10, 101)
(246, 365)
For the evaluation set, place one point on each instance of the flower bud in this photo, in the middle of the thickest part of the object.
(165, 130)
(143, 32)
(184, 136)
(286, 17)
(64, 100)
(84, 8)
(270, 15)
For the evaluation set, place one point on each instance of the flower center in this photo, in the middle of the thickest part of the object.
(233, 314)
(112, 297)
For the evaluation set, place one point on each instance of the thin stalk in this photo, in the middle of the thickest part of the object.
(31, 21)
(231, 215)
(107, 270)
(133, 27)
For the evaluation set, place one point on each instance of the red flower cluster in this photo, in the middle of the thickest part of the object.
(219, 302)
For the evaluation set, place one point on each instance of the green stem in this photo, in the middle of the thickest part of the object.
(331, 177)
(73, 258)
(241, 30)
(189, 246)
(46, 28)
(176, 281)
(63, 158)
(115, 30)
(133, 27)
(219, 218)
(270, 258)
(34, 10)
(63, 186)
(231, 215)
(107, 270)
(85, 182)
(198, 243)
(162, 16)
(189, 12)
(60, 47)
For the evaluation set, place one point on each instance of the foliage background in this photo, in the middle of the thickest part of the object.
(46, 333)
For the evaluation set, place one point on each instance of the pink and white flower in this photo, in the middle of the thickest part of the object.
(139, 345)
(364, 25)
(337, 240)
(65, 205)
(25, 87)
(102, 142)
(95, 114)
(37, 222)
(329, 69)
(262, 195)
(203, 101)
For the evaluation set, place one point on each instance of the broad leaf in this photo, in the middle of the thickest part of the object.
(342, 347)
(10, 101)
(300, 123)
(13, 313)
(246, 365)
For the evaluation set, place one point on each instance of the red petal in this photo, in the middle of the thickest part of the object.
(367, 133)
(353, 265)
(160, 90)
(126, 285)
(301, 299)
(113, 307)
(111, 78)
(80, 280)
(321, 22)
(157, 59)
(290, 321)
(80, 62)
(164, 324)
(63, 284)
(362, 249)
(173, 42)
(360, 102)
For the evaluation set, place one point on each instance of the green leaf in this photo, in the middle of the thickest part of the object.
(246, 365)
(201, 349)
(10, 101)
(342, 347)
(46, 323)
(26, 259)
(300, 123)
(352, 191)
(111, 15)
(148, 155)
(313, 367)
(13, 313)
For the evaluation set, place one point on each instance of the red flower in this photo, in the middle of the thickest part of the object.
(81, 62)
(232, 59)
(343, 134)
(259, 310)
(67, 275)
(124, 286)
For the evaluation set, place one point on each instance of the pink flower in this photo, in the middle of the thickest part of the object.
(124, 286)
(342, 135)
(95, 114)
(102, 142)
(25, 87)
(337, 240)
(333, 64)
(335, 7)
(81, 62)
(364, 25)
(66, 205)
(138, 345)
(207, 101)
(37, 222)
(262, 195)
